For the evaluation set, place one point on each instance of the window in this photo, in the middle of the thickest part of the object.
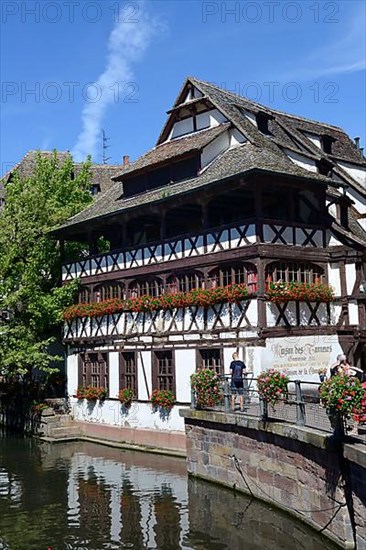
(262, 123)
(294, 272)
(108, 292)
(210, 359)
(84, 295)
(184, 282)
(153, 287)
(163, 370)
(244, 273)
(93, 369)
(327, 144)
(128, 371)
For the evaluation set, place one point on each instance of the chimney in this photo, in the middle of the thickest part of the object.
(126, 160)
(357, 142)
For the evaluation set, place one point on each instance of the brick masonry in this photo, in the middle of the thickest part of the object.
(297, 469)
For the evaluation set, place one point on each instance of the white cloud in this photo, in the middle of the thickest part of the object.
(344, 55)
(127, 43)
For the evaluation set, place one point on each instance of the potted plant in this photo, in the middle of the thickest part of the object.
(164, 399)
(125, 396)
(342, 396)
(272, 386)
(206, 384)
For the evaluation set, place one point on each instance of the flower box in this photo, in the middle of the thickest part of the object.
(164, 399)
(198, 297)
(299, 292)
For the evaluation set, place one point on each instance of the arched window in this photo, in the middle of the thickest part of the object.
(184, 282)
(150, 287)
(84, 295)
(245, 273)
(108, 292)
(301, 272)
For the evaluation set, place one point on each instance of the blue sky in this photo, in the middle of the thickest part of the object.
(71, 68)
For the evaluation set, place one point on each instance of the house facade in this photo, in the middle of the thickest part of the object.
(243, 229)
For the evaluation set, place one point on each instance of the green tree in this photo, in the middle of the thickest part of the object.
(30, 260)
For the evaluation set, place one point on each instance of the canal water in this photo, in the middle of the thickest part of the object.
(87, 496)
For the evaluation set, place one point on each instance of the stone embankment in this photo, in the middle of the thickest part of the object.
(308, 473)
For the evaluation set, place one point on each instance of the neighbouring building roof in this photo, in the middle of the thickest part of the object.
(102, 174)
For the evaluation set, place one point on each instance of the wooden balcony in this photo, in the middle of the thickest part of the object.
(188, 246)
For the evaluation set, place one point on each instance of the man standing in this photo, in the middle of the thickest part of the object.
(237, 368)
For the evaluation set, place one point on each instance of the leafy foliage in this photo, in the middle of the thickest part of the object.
(344, 394)
(30, 291)
(206, 384)
(272, 385)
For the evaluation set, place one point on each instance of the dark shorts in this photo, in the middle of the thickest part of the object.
(237, 386)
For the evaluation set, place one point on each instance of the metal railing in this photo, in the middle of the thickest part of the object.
(300, 406)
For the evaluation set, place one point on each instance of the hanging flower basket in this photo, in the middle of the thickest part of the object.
(164, 399)
(280, 292)
(206, 384)
(125, 396)
(272, 386)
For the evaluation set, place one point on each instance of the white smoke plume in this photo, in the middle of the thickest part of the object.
(127, 43)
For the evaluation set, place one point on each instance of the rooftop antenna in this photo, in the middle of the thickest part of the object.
(105, 140)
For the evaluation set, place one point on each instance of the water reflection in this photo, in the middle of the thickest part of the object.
(85, 496)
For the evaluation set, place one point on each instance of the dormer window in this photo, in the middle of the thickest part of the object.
(327, 144)
(325, 168)
(262, 123)
(95, 189)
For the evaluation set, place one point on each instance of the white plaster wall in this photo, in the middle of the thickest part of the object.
(316, 140)
(332, 209)
(144, 363)
(228, 357)
(334, 278)
(213, 149)
(72, 374)
(216, 118)
(353, 312)
(358, 173)
(350, 277)
(359, 200)
(236, 138)
(185, 365)
(113, 373)
(300, 160)
(140, 415)
(251, 117)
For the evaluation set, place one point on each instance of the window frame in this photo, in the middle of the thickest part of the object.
(124, 375)
(200, 360)
(156, 375)
(85, 374)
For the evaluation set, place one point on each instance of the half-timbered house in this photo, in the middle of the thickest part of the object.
(233, 193)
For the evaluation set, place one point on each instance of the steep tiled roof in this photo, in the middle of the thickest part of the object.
(264, 152)
(238, 161)
(175, 148)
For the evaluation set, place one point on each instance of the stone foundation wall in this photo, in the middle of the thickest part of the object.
(304, 472)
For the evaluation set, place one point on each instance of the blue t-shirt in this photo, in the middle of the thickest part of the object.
(237, 368)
